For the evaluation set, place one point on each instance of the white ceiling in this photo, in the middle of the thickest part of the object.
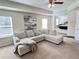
(44, 4)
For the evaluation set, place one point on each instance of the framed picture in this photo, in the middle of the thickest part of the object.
(30, 22)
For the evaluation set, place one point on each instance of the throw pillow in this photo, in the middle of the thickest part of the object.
(20, 35)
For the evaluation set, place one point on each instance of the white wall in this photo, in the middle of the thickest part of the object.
(51, 22)
(62, 19)
(71, 23)
(7, 40)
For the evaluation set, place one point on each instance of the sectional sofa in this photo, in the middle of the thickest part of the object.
(37, 36)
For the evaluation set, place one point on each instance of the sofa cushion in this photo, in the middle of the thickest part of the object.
(38, 38)
(23, 49)
(54, 38)
(30, 33)
(20, 35)
(53, 32)
(27, 41)
(44, 31)
(37, 32)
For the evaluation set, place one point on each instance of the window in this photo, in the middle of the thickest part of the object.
(44, 23)
(5, 25)
(57, 21)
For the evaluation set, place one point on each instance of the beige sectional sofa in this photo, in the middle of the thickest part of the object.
(37, 37)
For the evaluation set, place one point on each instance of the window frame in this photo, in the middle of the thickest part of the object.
(11, 26)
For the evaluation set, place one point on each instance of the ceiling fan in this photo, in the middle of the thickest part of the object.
(52, 2)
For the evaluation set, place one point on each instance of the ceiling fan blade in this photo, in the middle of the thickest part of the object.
(58, 2)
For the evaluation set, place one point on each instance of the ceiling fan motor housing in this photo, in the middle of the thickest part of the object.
(54, 2)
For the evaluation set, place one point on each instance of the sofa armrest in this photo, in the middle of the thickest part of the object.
(15, 40)
(54, 38)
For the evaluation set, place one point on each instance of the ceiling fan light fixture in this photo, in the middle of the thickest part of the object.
(51, 5)
(53, 2)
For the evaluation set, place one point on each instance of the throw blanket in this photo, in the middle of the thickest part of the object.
(32, 46)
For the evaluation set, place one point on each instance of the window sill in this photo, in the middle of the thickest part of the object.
(6, 35)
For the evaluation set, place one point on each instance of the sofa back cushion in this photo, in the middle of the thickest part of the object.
(20, 35)
(37, 32)
(29, 33)
(53, 32)
(45, 31)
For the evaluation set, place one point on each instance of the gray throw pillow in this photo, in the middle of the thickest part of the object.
(20, 35)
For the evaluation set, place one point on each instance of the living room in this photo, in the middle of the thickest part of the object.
(35, 24)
